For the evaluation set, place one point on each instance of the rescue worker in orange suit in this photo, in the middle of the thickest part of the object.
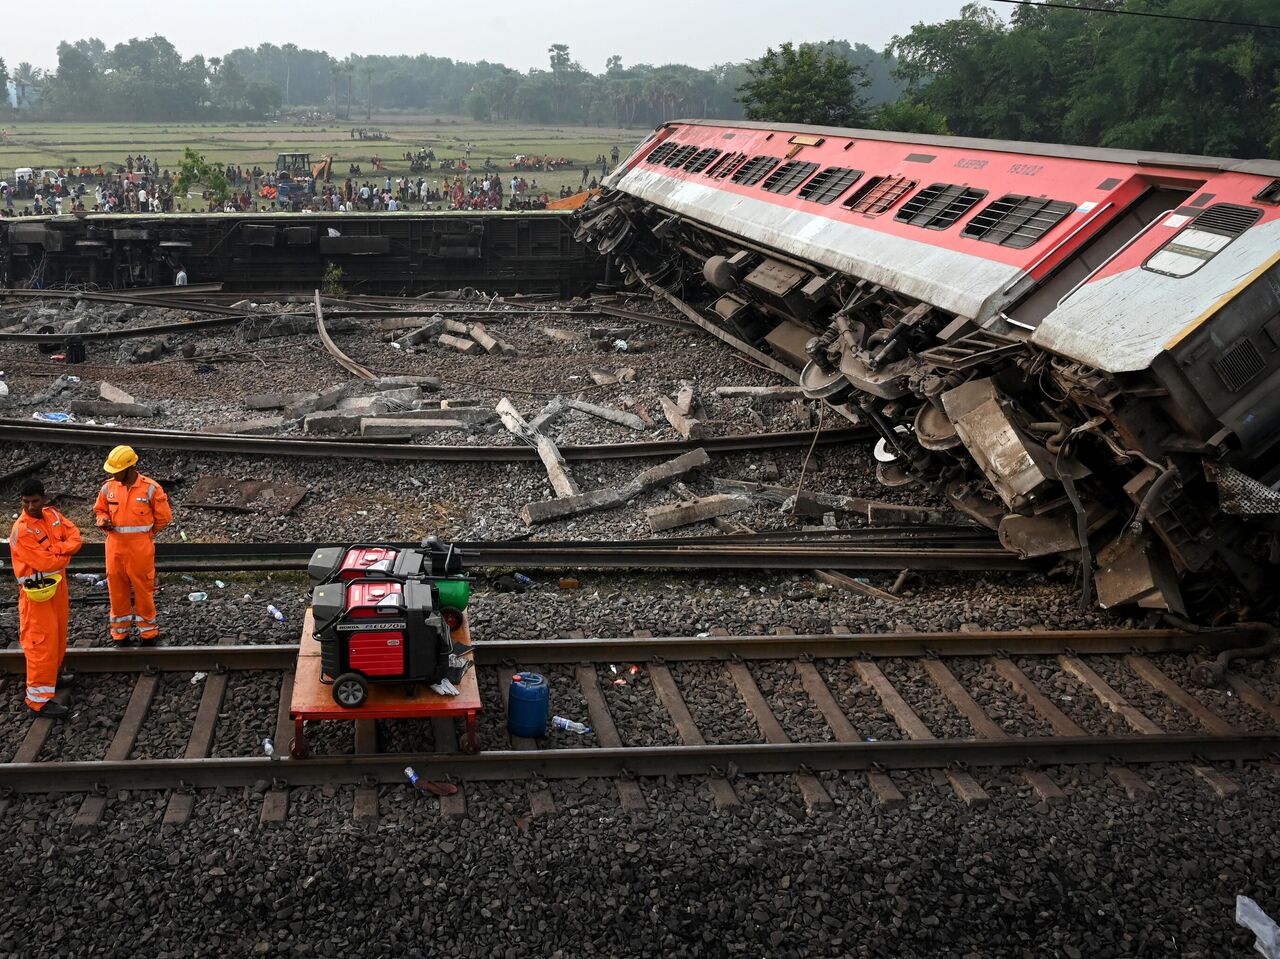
(131, 508)
(41, 544)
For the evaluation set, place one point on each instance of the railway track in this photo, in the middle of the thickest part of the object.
(767, 677)
(868, 549)
(25, 431)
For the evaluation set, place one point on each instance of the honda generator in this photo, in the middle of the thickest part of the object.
(388, 615)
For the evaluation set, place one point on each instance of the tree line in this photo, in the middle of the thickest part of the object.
(1174, 81)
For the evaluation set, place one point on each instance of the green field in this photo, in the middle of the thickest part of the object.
(44, 143)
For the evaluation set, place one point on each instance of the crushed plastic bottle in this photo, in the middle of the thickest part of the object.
(198, 597)
(85, 577)
(220, 584)
(278, 616)
(522, 579)
(198, 678)
(269, 748)
(569, 725)
(1250, 915)
(183, 534)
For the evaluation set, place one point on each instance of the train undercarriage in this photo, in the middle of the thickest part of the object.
(1157, 494)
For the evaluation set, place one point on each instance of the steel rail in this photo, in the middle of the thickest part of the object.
(751, 758)
(858, 545)
(629, 649)
(24, 431)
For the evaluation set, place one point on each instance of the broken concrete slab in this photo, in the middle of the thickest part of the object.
(355, 403)
(557, 470)
(685, 425)
(113, 394)
(468, 347)
(629, 420)
(547, 510)
(101, 408)
(478, 333)
(672, 470)
(255, 427)
(429, 383)
(333, 421)
(433, 327)
(682, 514)
(601, 377)
(315, 402)
(685, 399)
(405, 426)
(391, 400)
(760, 392)
(552, 411)
(471, 415)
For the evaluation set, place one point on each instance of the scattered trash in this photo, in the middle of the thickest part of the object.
(278, 616)
(73, 379)
(427, 786)
(619, 681)
(188, 579)
(198, 678)
(634, 670)
(197, 597)
(1250, 915)
(568, 582)
(559, 722)
(183, 534)
(269, 748)
(620, 345)
(872, 739)
(4, 389)
(52, 417)
(522, 579)
(85, 577)
(220, 584)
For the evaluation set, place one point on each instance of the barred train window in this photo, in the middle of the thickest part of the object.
(1202, 239)
(937, 206)
(827, 186)
(1015, 220)
(701, 160)
(788, 176)
(879, 194)
(681, 155)
(754, 170)
(661, 152)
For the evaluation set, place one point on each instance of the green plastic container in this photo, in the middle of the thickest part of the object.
(454, 593)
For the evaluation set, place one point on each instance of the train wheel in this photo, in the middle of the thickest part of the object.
(350, 690)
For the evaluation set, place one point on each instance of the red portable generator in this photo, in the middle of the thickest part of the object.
(435, 560)
(386, 625)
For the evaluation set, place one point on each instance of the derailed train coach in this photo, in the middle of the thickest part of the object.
(1079, 348)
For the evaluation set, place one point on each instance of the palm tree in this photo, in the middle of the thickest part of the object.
(24, 77)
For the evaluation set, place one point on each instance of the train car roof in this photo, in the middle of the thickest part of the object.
(1269, 168)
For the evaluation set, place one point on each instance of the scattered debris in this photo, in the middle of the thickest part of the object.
(606, 413)
(563, 336)
(602, 377)
(761, 392)
(685, 425)
(561, 480)
(609, 498)
(99, 408)
(255, 427)
(407, 427)
(695, 511)
(467, 346)
(113, 394)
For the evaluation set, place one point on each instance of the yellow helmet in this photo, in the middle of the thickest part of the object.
(120, 459)
(42, 590)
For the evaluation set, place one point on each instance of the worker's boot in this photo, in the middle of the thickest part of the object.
(52, 710)
(65, 679)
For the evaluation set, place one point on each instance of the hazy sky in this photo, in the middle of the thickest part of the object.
(663, 31)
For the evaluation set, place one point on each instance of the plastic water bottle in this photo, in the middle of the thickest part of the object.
(559, 722)
(197, 597)
(413, 777)
(269, 748)
(521, 578)
(278, 616)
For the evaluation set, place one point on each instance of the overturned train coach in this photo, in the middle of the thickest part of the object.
(1079, 348)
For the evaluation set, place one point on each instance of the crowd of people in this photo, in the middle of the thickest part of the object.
(140, 185)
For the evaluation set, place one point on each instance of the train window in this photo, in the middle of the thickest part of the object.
(827, 186)
(879, 194)
(937, 206)
(1202, 239)
(722, 167)
(679, 156)
(788, 176)
(661, 152)
(754, 170)
(1015, 220)
(701, 160)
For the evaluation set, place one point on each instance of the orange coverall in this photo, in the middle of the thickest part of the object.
(43, 546)
(136, 514)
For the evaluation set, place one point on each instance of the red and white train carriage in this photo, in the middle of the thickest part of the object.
(1081, 346)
